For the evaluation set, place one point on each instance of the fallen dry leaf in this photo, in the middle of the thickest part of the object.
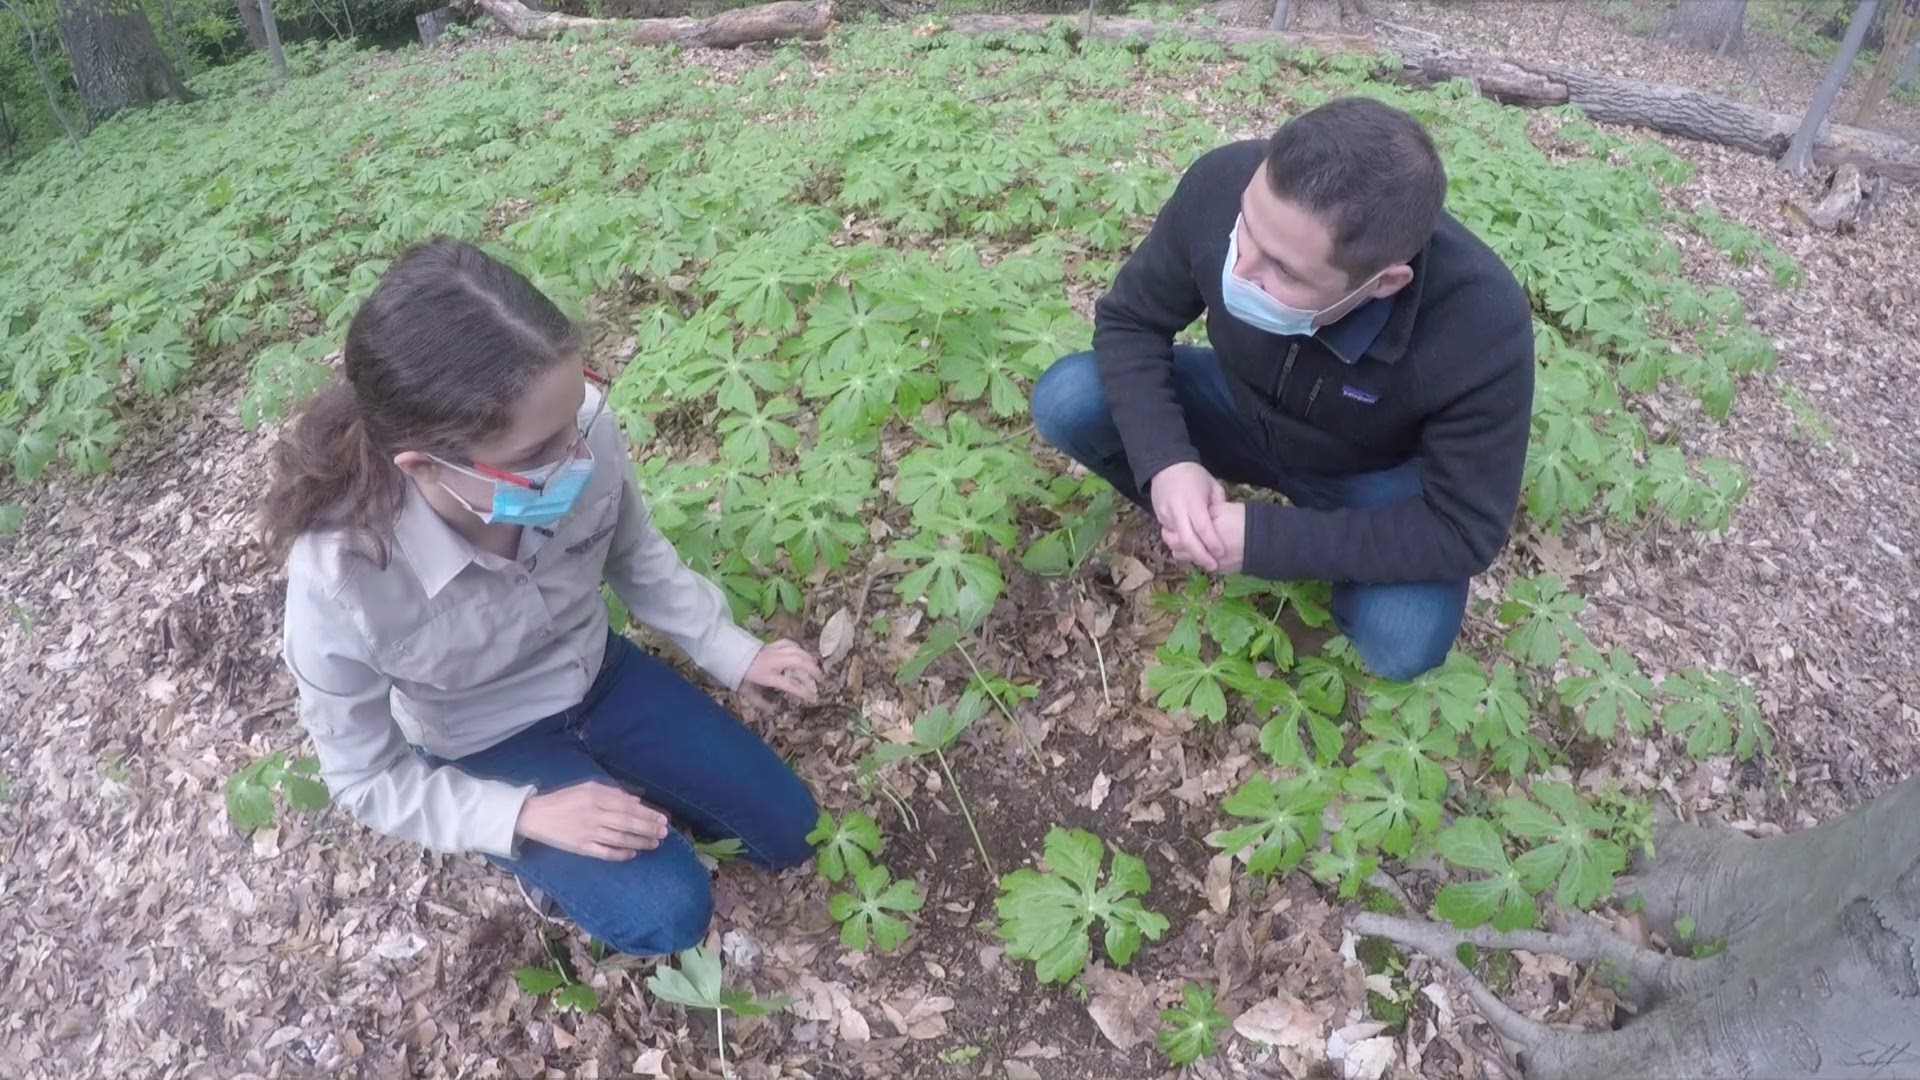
(1121, 1007)
(1281, 1020)
(1097, 794)
(651, 1063)
(1369, 1059)
(1220, 883)
(837, 636)
(1133, 574)
(918, 1014)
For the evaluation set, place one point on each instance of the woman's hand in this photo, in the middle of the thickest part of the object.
(784, 666)
(592, 818)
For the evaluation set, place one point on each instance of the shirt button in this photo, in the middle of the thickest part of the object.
(546, 632)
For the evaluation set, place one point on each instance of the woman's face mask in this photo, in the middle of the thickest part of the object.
(538, 498)
(534, 497)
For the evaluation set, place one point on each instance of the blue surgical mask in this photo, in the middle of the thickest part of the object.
(558, 488)
(1251, 305)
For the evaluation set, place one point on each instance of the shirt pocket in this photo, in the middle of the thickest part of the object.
(464, 647)
(587, 533)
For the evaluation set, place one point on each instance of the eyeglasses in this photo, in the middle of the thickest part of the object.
(536, 481)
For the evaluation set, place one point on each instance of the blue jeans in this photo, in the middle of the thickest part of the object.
(1400, 630)
(643, 725)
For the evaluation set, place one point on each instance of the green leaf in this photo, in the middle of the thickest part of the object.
(695, 984)
(721, 850)
(578, 997)
(872, 911)
(249, 802)
(939, 640)
(838, 844)
(1193, 1030)
(538, 980)
(1285, 822)
(1541, 612)
(1044, 917)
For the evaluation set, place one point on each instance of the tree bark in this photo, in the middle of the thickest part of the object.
(116, 60)
(173, 38)
(1322, 16)
(1716, 26)
(432, 24)
(743, 26)
(1910, 73)
(271, 26)
(1606, 98)
(1817, 974)
(1799, 154)
(1893, 48)
(6, 127)
(250, 22)
(40, 73)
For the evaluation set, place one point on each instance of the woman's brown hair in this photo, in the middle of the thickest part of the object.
(435, 361)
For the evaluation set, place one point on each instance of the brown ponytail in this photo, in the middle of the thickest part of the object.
(435, 360)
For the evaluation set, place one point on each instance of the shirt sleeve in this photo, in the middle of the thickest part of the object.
(665, 593)
(365, 760)
(1153, 298)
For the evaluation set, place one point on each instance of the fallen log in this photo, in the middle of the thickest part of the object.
(1673, 110)
(779, 21)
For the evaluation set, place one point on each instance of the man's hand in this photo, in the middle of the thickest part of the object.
(1184, 498)
(592, 818)
(784, 666)
(1230, 521)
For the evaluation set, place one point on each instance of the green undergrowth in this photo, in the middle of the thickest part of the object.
(833, 274)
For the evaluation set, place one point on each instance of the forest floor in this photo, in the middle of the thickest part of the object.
(142, 936)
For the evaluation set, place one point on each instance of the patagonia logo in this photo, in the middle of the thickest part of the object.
(1364, 397)
(582, 546)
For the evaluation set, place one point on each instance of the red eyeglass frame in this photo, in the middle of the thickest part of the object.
(573, 448)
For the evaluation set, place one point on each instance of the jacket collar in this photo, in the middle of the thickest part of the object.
(435, 551)
(1379, 329)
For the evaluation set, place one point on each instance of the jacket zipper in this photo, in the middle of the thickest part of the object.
(1312, 396)
(1286, 369)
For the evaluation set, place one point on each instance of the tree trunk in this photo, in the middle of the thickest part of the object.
(1323, 16)
(432, 24)
(1799, 154)
(1893, 49)
(1816, 975)
(727, 30)
(40, 73)
(1911, 73)
(272, 27)
(173, 38)
(1716, 26)
(116, 60)
(250, 22)
(6, 127)
(1606, 98)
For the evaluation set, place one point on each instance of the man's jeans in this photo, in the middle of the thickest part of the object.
(1400, 630)
(643, 725)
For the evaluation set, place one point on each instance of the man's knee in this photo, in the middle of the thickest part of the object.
(1067, 401)
(1403, 632)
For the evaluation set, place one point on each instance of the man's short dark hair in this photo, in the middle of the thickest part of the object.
(1370, 172)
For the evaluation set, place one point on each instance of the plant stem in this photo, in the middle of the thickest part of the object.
(1106, 692)
(966, 813)
(720, 1034)
(1032, 751)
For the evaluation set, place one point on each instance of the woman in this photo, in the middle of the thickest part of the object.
(449, 510)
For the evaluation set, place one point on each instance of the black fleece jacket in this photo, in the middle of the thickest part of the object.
(1447, 380)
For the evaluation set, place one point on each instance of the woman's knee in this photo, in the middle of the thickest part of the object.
(664, 911)
(784, 844)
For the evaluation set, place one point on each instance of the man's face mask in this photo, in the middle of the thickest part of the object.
(1252, 305)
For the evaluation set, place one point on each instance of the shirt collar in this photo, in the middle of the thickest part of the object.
(1355, 333)
(437, 553)
(1380, 328)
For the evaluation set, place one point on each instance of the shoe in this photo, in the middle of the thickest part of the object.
(543, 906)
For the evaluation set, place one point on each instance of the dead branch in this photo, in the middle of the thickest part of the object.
(1438, 943)
(1673, 110)
(728, 30)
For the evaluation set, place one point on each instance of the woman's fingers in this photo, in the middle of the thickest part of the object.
(607, 852)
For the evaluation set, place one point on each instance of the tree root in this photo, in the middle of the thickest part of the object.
(1438, 943)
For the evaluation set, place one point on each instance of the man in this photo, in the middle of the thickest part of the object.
(1372, 361)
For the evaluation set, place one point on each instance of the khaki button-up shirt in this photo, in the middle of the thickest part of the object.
(456, 649)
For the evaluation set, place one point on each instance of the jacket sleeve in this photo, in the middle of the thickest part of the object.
(1154, 297)
(1473, 452)
(364, 759)
(666, 594)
